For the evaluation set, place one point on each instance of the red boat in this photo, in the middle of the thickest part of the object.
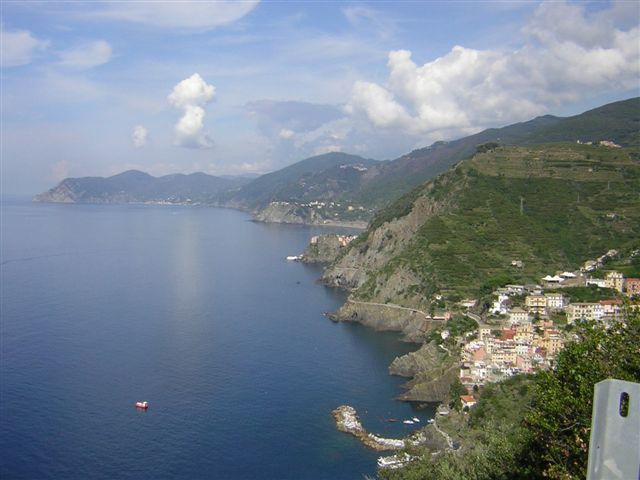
(142, 405)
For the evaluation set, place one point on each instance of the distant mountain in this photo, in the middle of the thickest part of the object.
(343, 187)
(618, 122)
(321, 177)
(356, 193)
(134, 186)
(314, 190)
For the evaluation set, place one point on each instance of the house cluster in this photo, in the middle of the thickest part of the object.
(497, 354)
(330, 205)
(358, 166)
(528, 339)
(603, 143)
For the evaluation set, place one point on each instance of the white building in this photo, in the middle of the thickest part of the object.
(519, 316)
(554, 301)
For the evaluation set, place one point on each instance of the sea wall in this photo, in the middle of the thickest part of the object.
(347, 421)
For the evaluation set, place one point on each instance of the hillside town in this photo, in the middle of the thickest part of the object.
(534, 322)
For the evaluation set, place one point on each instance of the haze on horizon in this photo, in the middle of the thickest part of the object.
(95, 88)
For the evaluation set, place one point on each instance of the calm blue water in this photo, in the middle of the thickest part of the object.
(196, 311)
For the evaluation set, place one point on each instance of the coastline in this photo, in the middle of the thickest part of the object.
(353, 224)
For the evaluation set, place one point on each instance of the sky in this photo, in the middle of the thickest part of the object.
(93, 88)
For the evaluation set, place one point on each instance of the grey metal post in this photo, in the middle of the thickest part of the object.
(614, 447)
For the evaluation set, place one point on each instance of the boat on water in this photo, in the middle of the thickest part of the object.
(408, 422)
(416, 419)
(142, 405)
(392, 419)
(294, 258)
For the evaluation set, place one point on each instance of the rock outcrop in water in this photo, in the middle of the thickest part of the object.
(326, 248)
(432, 369)
(347, 421)
(413, 324)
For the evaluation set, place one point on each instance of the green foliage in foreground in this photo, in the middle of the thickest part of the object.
(589, 294)
(538, 427)
(560, 418)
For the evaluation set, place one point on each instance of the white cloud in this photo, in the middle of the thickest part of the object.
(18, 47)
(567, 55)
(192, 91)
(139, 136)
(86, 56)
(185, 14)
(191, 95)
(286, 134)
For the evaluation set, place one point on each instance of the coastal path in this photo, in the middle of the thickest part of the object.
(443, 433)
(398, 307)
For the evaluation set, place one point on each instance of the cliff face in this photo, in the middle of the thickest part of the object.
(325, 248)
(378, 247)
(433, 370)
(63, 193)
(284, 212)
(411, 323)
(550, 206)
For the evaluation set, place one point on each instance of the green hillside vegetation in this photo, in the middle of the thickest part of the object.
(366, 187)
(136, 186)
(585, 294)
(618, 122)
(315, 178)
(551, 206)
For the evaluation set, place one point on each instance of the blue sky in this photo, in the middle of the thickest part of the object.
(95, 88)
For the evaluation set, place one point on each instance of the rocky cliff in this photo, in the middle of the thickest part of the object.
(284, 212)
(460, 232)
(325, 248)
(550, 206)
(433, 370)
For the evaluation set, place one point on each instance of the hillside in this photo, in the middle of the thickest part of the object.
(370, 185)
(285, 195)
(618, 122)
(341, 187)
(550, 206)
(134, 186)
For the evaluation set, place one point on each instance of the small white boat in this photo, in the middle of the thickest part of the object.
(408, 422)
(142, 405)
(293, 258)
(416, 419)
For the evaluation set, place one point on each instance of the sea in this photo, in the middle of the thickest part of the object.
(196, 311)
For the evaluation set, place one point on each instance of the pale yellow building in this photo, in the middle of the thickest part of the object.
(614, 280)
(536, 304)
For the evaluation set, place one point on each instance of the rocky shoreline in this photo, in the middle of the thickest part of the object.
(347, 421)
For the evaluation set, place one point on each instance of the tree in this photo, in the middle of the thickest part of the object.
(455, 390)
(560, 418)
